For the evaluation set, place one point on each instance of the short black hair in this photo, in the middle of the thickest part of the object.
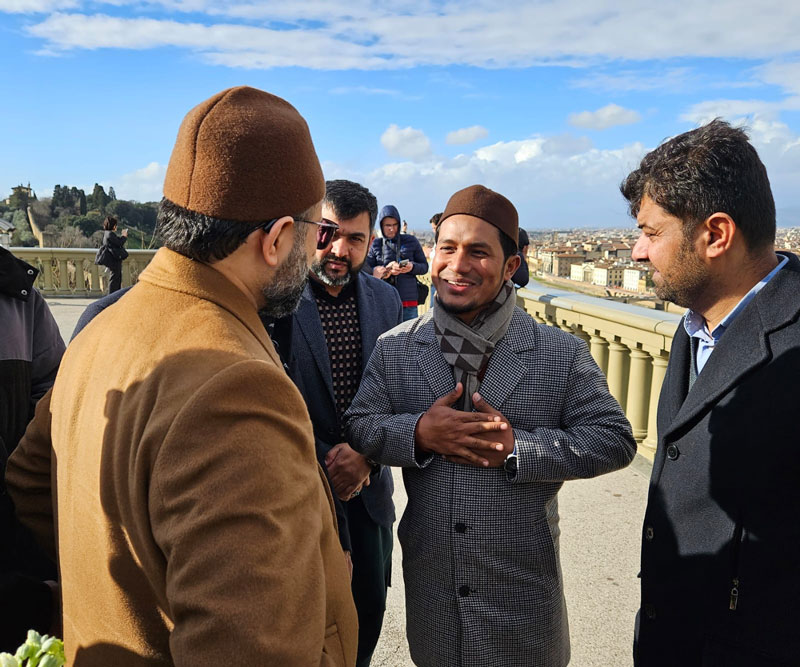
(202, 237)
(712, 169)
(349, 199)
(508, 246)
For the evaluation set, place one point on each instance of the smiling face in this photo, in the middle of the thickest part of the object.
(468, 268)
(679, 274)
(335, 266)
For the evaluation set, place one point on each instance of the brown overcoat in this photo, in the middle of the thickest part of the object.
(193, 525)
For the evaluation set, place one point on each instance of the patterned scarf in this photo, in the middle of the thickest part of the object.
(467, 348)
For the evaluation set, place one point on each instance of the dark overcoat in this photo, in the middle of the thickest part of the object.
(305, 349)
(721, 537)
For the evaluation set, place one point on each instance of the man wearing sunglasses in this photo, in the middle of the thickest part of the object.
(194, 525)
(326, 343)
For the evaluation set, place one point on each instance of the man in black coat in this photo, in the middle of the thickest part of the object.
(721, 537)
(326, 344)
(30, 353)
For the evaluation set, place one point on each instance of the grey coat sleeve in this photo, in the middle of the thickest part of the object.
(595, 437)
(373, 429)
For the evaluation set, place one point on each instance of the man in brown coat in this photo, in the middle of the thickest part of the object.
(173, 454)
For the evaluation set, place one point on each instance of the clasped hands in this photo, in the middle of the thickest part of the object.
(483, 438)
(347, 470)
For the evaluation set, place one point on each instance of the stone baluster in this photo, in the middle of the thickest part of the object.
(639, 392)
(598, 346)
(94, 280)
(63, 276)
(618, 365)
(47, 270)
(659, 371)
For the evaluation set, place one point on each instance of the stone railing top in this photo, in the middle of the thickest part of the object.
(657, 321)
(71, 252)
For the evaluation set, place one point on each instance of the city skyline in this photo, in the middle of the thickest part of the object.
(549, 103)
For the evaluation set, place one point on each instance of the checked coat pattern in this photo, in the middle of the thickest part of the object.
(480, 550)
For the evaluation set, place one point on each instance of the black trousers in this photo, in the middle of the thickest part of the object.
(114, 277)
(372, 574)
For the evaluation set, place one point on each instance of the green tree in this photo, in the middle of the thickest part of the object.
(82, 202)
(99, 198)
(19, 197)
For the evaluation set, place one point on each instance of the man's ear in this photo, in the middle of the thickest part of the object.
(371, 239)
(512, 264)
(277, 242)
(718, 233)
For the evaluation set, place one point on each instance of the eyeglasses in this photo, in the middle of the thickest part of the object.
(325, 229)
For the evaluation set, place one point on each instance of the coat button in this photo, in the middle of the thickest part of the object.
(460, 528)
(24, 292)
(650, 611)
(463, 591)
(648, 533)
(673, 452)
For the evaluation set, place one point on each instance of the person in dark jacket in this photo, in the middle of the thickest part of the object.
(117, 252)
(720, 572)
(30, 352)
(521, 276)
(397, 258)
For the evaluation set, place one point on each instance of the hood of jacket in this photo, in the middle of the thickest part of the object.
(389, 211)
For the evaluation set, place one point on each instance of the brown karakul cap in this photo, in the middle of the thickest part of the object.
(245, 155)
(487, 205)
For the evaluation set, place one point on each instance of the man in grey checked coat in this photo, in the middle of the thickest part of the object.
(483, 463)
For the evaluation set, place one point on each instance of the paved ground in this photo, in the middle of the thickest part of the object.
(600, 521)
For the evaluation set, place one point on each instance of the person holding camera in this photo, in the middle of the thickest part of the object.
(115, 252)
(398, 258)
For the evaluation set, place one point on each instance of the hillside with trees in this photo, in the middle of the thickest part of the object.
(74, 219)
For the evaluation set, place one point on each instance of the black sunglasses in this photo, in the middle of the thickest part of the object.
(325, 229)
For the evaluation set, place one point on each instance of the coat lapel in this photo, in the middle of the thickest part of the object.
(431, 363)
(743, 348)
(307, 318)
(503, 374)
(367, 317)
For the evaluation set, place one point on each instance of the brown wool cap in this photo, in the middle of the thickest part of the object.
(244, 155)
(487, 205)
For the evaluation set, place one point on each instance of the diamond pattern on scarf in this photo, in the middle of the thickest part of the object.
(468, 348)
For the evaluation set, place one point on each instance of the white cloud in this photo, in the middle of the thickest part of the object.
(376, 34)
(36, 6)
(406, 142)
(608, 116)
(466, 135)
(540, 175)
(145, 184)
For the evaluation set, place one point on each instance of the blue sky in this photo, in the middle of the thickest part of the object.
(551, 103)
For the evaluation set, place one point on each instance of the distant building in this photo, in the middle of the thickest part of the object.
(635, 279)
(6, 230)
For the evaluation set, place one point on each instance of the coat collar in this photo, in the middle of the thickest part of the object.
(744, 348)
(173, 271)
(16, 277)
(505, 369)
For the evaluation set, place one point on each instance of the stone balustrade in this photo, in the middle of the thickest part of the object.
(72, 271)
(631, 344)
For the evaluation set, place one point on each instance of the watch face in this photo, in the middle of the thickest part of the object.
(511, 463)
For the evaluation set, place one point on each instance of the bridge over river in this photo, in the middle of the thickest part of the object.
(601, 523)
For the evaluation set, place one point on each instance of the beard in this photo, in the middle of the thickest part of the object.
(283, 293)
(685, 286)
(318, 269)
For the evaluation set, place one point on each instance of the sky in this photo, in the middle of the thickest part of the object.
(551, 103)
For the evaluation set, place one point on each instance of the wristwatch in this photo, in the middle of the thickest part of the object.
(510, 465)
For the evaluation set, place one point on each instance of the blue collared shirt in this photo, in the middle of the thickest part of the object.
(696, 327)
